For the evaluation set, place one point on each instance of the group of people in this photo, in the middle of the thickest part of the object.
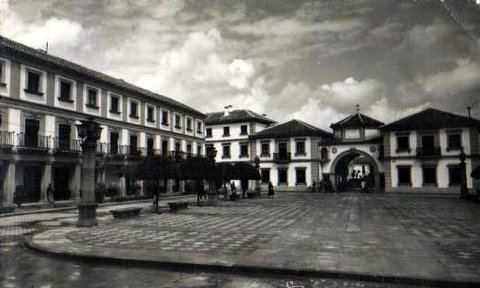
(324, 185)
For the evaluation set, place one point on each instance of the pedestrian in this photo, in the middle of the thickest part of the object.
(232, 187)
(271, 192)
(50, 198)
(314, 186)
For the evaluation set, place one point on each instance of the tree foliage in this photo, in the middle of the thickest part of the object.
(245, 171)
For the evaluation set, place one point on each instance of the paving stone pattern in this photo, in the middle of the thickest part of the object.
(432, 237)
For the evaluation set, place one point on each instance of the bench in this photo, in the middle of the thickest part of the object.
(251, 195)
(126, 212)
(175, 206)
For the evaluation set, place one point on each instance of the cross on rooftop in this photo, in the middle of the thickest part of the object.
(357, 107)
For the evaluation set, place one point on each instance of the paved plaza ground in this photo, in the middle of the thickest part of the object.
(364, 236)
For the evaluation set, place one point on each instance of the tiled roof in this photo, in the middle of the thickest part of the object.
(292, 128)
(431, 119)
(236, 116)
(357, 120)
(10, 47)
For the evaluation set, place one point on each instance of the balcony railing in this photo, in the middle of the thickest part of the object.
(102, 148)
(6, 139)
(132, 150)
(177, 155)
(428, 151)
(67, 145)
(281, 157)
(39, 142)
(114, 150)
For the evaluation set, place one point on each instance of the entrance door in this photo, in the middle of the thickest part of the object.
(428, 145)
(282, 148)
(64, 137)
(32, 177)
(61, 179)
(31, 133)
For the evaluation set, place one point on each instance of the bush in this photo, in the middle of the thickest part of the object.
(113, 191)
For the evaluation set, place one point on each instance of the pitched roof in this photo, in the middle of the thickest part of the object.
(292, 128)
(357, 120)
(15, 49)
(236, 116)
(431, 119)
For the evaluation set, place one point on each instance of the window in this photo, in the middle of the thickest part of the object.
(114, 142)
(63, 137)
(226, 151)
(114, 104)
(177, 147)
(199, 127)
(265, 150)
(33, 83)
(65, 91)
(31, 133)
(243, 150)
(429, 175)
(209, 132)
(300, 148)
(282, 176)
(209, 149)
(165, 118)
(150, 144)
(265, 173)
(133, 144)
(189, 124)
(189, 149)
(300, 176)
(244, 130)
(177, 122)
(133, 109)
(226, 131)
(324, 154)
(150, 113)
(454, 142)
(454, 175)
(3, 73)
(403, 143)
(404, 176)
(199, 150)
(164, 147)
(92, 98)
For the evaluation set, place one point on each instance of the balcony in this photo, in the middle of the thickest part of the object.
(281, 157)
(133, 151)
(428, 152)
(66, 146)
(33, 143)
(102, 148)
(114, 150)
(6, 139)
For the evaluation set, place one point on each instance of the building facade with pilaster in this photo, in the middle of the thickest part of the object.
(43, 97)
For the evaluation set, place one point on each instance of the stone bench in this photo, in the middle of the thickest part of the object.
(175, 206)
(126, 212)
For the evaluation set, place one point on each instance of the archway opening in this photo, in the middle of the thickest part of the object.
(355, 171)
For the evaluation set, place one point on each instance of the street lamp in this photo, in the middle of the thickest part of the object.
(256, 161)
(89, 131)
(463, 175)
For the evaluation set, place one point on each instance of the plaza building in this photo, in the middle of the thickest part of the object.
(418, 152)
(43, 97)
(227, 133)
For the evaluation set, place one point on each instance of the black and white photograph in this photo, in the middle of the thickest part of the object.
(239, 143)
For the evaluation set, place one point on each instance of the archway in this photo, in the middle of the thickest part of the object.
(352, 167)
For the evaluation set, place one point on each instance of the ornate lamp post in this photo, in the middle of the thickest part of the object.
(89, 131)
(463, 175)
(256, 161)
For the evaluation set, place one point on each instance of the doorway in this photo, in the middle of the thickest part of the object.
(61, 180)
(32, 178)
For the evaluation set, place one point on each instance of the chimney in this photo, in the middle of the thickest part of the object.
(227, 110)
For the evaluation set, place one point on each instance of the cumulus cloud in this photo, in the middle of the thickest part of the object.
(464, 76)
(343, 95)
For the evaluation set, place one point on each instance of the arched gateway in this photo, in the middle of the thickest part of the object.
(355, 153)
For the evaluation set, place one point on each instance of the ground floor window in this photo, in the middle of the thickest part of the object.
(404, 175)
(265, 175)
(454, 175)
(300, 176)
(429, 175)
(282, 176)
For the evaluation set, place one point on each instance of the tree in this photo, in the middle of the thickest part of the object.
(245, 171)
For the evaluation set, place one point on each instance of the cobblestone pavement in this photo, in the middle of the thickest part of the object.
(21, 267)
(412, 236)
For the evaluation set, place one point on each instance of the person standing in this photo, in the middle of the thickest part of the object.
(271, 192)
(50, 198)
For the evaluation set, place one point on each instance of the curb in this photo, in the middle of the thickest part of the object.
(99, 206)
(251, 270)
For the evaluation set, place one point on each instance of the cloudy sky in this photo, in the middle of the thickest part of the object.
(310, 60)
